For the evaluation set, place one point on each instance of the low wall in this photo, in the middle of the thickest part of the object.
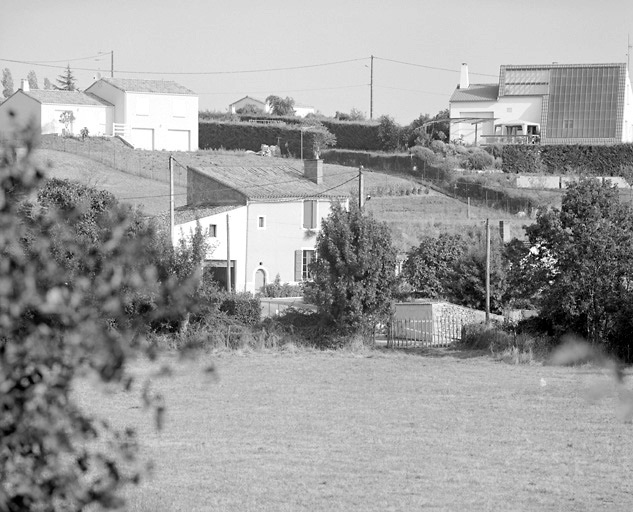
(560, 182)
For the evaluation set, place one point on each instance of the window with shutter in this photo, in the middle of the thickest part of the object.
(309, 214)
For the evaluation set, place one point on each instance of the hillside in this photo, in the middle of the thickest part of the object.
(409, 207)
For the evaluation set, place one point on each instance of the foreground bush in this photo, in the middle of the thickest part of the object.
(65, 294)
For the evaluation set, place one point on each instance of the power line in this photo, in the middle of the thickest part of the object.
(431, 67)
(285, 90)
(40, 62)
(233, 72)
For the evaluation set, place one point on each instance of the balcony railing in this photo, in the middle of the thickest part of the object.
(120, 129)
(511, 139)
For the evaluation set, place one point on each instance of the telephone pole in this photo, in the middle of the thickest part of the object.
(487, 271)
(112, 64)
(361, 197)
(371, 89)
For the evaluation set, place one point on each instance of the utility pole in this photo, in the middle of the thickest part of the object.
(628, 52)
(361, 197)
(112, 64)
(487, 271)
(371, 89)
(171, 198)
(228, 256)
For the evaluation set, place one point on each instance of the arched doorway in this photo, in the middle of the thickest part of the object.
(260, 280)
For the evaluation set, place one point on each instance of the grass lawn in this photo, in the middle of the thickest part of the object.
(375, 431)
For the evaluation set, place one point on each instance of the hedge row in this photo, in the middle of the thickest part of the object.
(602, 160)
(230, 135)
(361, 136)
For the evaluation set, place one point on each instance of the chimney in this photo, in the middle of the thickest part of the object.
(463, 77)
(313, 170)
(25, 85)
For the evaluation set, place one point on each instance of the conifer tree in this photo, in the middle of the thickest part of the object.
(66, 81)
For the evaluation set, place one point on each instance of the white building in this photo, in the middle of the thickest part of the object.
(149, 114)
(547, 104)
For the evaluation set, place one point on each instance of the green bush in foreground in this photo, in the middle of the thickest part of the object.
(64, 301)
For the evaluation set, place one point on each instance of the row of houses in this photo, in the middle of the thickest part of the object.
(149, 114)
(262, 221)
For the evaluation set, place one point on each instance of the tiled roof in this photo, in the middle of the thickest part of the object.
(476, 92)
(277, 182)
(249, 98)
(151, 86)
(184, 214)
(47, 97)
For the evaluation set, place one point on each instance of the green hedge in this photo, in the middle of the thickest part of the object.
(237, 135)
(354, 135)
(601, 160)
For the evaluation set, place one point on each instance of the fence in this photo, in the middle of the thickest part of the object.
(153, 165)
(411, 333)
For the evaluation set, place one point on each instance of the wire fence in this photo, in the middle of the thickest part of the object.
(116, 154)
(413, 332)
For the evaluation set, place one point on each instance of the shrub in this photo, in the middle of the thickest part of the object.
(484, 336)
(245, 308)
(438, 147)
(479, 160)
(425, 155)
(277, 289)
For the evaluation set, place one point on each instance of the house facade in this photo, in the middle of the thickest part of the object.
(151, 114)
(546, 104)
(47, 109)
(246, 101)
(263, 220)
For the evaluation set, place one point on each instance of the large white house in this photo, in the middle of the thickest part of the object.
(263, 219)
(547, 104)
(149, 114)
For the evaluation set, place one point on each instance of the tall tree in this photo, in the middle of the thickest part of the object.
(7, 83)
(583, 256)
(32, 79)
(47, 84)
(280, 106)
(66, 81)
(354, 274)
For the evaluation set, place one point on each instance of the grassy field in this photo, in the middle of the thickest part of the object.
(296, 430)
(151, 195)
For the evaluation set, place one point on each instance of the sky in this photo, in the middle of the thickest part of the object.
(317, 52)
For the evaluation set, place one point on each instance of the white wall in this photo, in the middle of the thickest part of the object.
(112, 95)
(508, 108)
(93, 117)
(237, 229)
(627, 122)
(162, 113)
(274, 246)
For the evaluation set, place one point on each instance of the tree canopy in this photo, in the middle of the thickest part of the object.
(581, 258)
(7, 83)
(32, 79)
(281, 106)
(66, 81)
(354, 274)
(74, 265)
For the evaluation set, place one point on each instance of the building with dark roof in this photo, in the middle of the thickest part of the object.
(264, 219)
(547, 104)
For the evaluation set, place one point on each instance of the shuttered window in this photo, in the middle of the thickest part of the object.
(303, 260)
(309, 214)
